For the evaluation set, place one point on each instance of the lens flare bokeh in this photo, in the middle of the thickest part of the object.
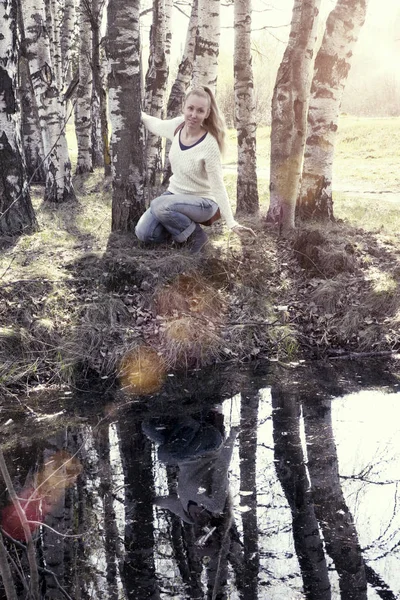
(142, 371)
(38, 499)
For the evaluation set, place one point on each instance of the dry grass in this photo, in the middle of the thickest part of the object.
(142, 371)
(189, 342)
(189, 295)
(323, 251)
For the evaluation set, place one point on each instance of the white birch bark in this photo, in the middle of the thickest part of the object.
(50, 104)
(83, 106)
(31, 134)
(205, 68)
(67, 39)
(124, 106)
(54, 14)
(289, 113)
(16, 211)
(332, 66)
(168, 31)
(335, 519)
(155, 88)
(247, 190)
(182, 80)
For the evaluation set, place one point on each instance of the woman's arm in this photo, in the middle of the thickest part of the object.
(215, 177)
(163, 128)
(213, 168)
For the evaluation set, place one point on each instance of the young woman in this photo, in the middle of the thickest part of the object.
(196, 189)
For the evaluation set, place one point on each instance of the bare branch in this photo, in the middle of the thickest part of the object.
(33, 567)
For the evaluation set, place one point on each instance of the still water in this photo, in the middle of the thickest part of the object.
(272, 482)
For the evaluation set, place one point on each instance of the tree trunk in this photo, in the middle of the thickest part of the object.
(247, 190)
(67, 40)
(331, 69)
(124, 106)
(54, 21)
(182, 80)
(289, 114)
(248, 483)
(292, 474)
(205, 68)
(83, 106)
(155, 86)
(335, 519)
(50, 103)
(138, 569)
(16, 211)
(100, 142)
(31, 135)
(111, 537)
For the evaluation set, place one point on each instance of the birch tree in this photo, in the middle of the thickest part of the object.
(182, 80)
(100, 133)
(67, 40)
(155, 88)
(16, 211)
(184, 74)
(31, 134)
(334, 517)
(45, 76)
(83, 106)
(289, 113)
(332, 66)
(248, 485)
(205, 68)
(292, 474)
(247, 190)
(124, 106)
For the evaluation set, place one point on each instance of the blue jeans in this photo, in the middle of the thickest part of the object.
(174, 215)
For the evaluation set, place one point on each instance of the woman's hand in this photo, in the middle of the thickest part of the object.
(242, 230)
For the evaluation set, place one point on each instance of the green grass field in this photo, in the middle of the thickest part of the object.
(366, 173)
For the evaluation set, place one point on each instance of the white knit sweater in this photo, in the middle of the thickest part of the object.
(197, 170)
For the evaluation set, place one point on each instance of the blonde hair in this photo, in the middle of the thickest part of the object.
(215, 122)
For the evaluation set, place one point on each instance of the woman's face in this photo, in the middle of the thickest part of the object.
(195, 110)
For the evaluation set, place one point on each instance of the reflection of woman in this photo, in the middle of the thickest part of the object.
(196, 190)
(203, 457)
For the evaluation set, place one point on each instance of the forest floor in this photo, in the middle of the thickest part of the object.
(77, 302)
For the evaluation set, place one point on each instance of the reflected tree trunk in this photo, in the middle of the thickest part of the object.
(138, 568)
(110, 527)
(335, 519)
(248, 489)
(292, 474)
(55, 546)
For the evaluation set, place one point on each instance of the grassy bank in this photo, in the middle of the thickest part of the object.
(78, 302)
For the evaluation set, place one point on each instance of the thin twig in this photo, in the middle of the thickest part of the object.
(8, 268)
(33, 567)
(6, 574)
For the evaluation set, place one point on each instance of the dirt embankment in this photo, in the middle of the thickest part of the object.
(326, 292)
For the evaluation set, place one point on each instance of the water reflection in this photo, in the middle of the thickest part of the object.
(282, 490)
